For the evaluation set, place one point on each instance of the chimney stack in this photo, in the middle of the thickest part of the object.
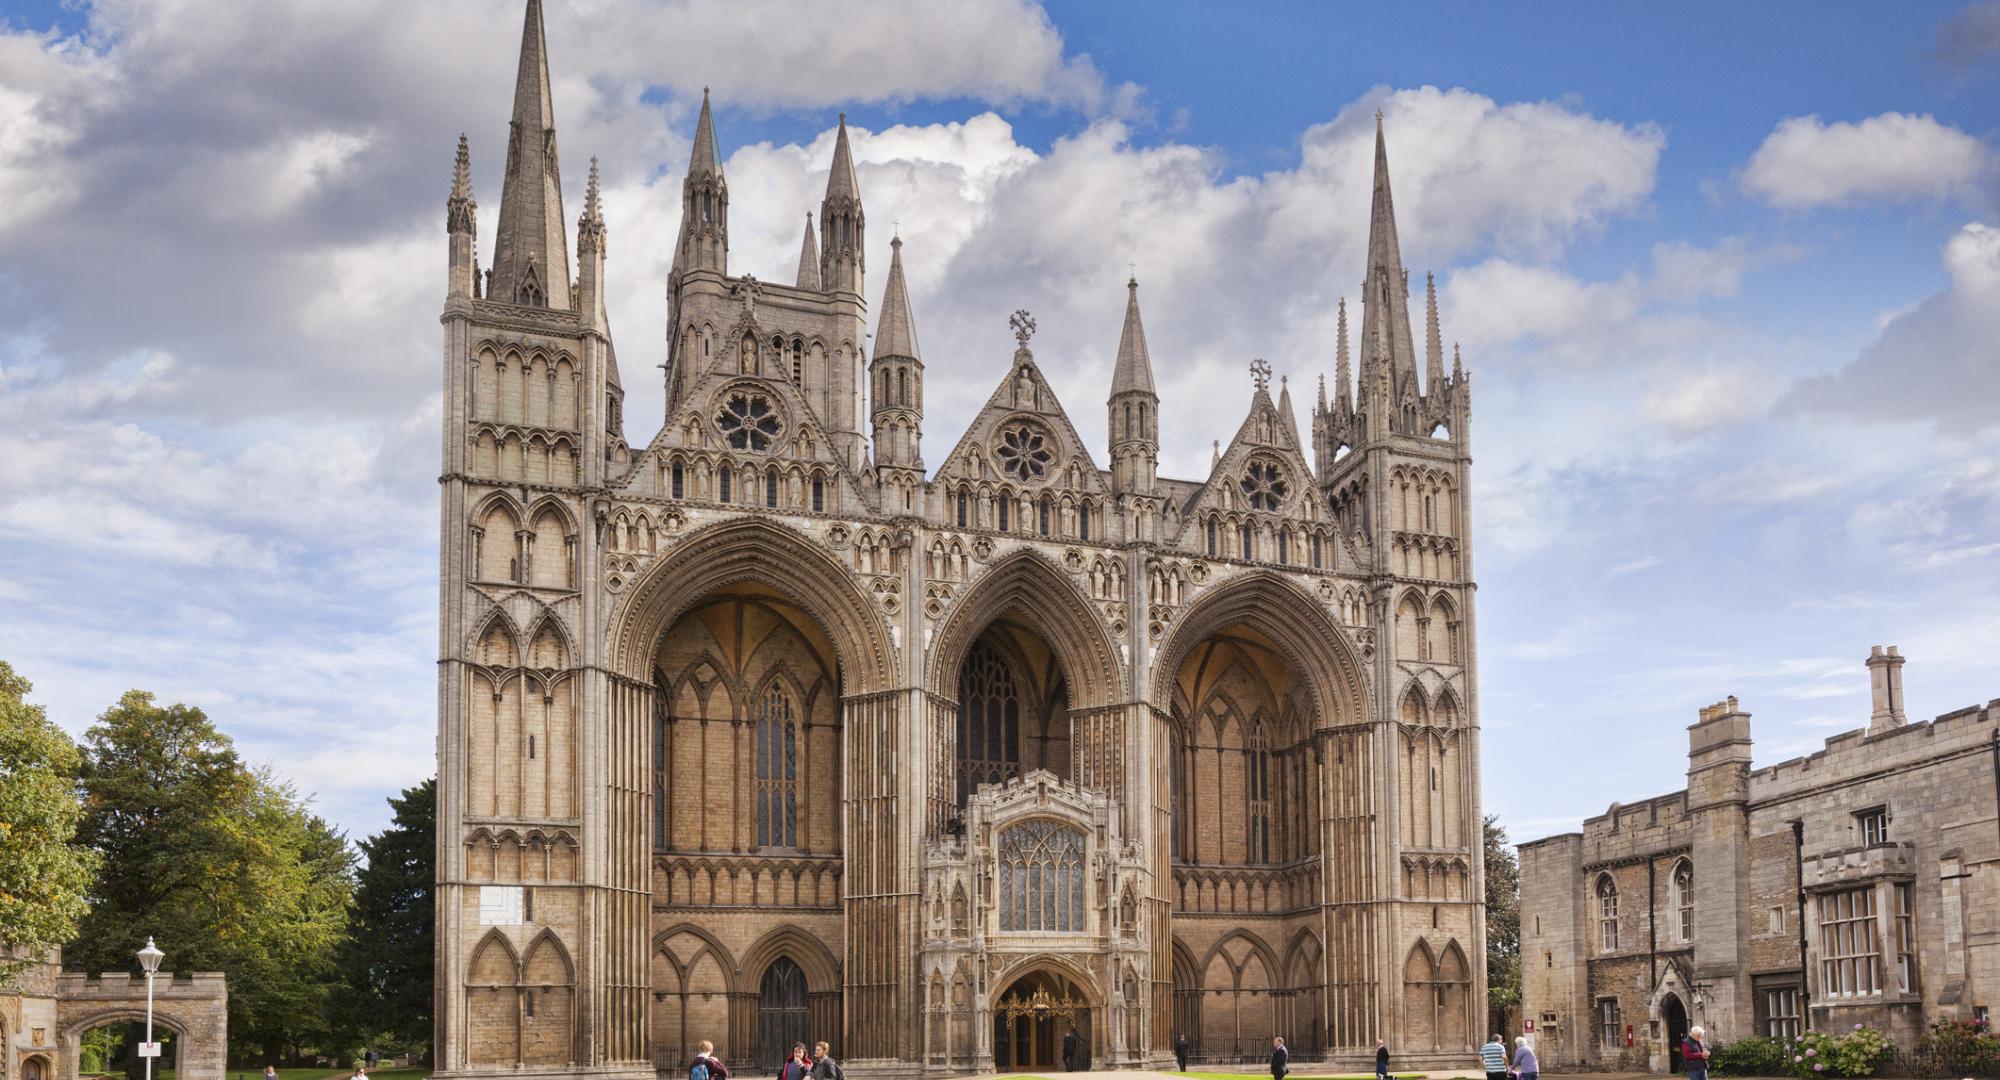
(1885, 684)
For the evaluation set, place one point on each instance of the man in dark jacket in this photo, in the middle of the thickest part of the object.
(1070, 1041)
(1181, 1050)
(824, 1067)
(1381, 1059)
(1281, 1059)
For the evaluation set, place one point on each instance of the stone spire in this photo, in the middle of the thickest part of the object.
(1433, 340)
(530, 248)
(461, 224)
(1135, 407)
(1388, 356)
(841, 222)
(1134, 370)
(895, 333)
(897, 373)
(704, 239)
(808, 277)
(590, 252)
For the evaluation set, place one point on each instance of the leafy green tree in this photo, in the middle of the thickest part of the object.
(44, 874)
(1503, 918)
(224, 867)
(387, 957)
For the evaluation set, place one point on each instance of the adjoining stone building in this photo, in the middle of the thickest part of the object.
(772, 727)
(1857, 885)
(45, 1012)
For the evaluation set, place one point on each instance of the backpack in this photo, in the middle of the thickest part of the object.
(699, 1071)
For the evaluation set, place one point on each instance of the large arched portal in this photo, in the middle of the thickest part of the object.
(1032, 1019)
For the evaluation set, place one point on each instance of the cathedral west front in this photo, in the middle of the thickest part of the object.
(782, 724)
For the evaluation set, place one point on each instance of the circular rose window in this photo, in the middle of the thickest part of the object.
(1264, 485)
(747, 421)
(1024, 452)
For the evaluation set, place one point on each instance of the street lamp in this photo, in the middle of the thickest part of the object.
(149, 959)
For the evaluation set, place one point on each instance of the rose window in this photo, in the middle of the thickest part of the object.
(1264, 485)
(1024, 452)
(748, 421)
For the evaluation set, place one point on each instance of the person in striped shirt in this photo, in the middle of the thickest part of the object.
(1494, 1056)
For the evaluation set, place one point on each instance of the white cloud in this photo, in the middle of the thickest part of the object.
(1806, 163)
(1938, 362)
(1712, 397)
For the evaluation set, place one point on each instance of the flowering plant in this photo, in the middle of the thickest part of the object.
(1855, 1053)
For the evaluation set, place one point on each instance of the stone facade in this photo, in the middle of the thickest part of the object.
(770, 729)
(1686, 908)
(45, 1013)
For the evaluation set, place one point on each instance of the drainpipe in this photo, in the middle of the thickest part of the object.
(1805, 972)
(1653, 923)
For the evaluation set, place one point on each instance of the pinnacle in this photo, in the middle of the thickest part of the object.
(896, 332)
(808, 275)
(461, 171)
(840, 182)
(592, 211)
(1134, 369)
(703, 159)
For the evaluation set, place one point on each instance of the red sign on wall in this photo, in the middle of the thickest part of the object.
(1527, 1025)
(1628, 1034)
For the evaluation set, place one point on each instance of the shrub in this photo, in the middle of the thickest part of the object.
(1817, 1055)
(1751, 1057)
(1959, 1048)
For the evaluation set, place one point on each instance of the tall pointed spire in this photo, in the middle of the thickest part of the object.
(1134, 407)
(897, 371)
(1285, 413)
(530, 244)
(808, 277)
(895, 333)
(704, 239)
(1387, 352)
(1134, 370)
(842, 226)
(1433, 340)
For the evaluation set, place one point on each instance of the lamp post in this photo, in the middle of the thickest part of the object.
(149, 959)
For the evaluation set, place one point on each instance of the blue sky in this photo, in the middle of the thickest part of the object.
(1727, 278)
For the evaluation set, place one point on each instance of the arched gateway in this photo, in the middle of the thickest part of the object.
(769, 729)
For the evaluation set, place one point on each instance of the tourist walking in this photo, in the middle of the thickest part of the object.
(1181, 1050)
(1694, 1053)
(824, 1067)
(706, 1066)
(1494, 1056)
(1281, 1059)
(1381, 1059)
(1525, 1065)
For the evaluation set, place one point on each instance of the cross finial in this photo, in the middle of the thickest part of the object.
(1024, 326)
(895, 227)
(1260, 372)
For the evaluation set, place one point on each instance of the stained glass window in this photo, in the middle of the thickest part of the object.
(989, 721)
(1024, 452)
(747, 422)
(1264, 485)
(777, 772)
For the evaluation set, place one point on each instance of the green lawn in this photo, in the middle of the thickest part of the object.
(1300, 1075)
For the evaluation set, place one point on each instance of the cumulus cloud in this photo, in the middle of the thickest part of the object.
(1938, 362)
(1806, 163)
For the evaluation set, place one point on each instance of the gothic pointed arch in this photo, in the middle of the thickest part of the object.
(806, 950)
(781, 559)
(1032, 587)
(711, 946)
(547, 961)
(494, 962)
(1304, 632)
(1258, 949)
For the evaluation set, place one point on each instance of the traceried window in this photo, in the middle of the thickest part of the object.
(1849, 944)
(1041, 877)
(1024, 452)
(1684, 898)
(989, 721)
(747, 421)
(1607, 914)
(1264, 485)
(777, 771)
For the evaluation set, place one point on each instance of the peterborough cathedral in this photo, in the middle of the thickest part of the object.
(769, 728)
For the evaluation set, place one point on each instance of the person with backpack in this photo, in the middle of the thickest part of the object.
(706, 1066)
(824, 1067)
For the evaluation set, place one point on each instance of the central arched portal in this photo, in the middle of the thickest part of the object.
(1032, 1019)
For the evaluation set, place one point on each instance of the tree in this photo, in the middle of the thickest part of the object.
(223, 866)
(44, 873)
(1503, 919)
(387, 956)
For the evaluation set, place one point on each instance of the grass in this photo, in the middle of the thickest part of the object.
(1300, 1075)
